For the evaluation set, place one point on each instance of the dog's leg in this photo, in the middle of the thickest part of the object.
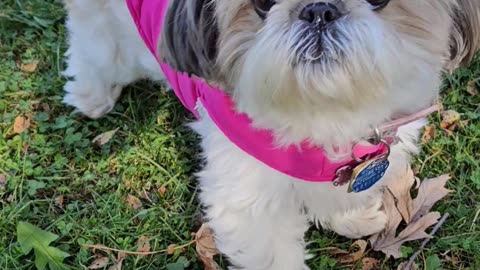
(348, 214)
(254, 212)
(264, 240)
(360, 221)
(105, 54)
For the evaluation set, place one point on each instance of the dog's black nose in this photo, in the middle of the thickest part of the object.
(320, 13)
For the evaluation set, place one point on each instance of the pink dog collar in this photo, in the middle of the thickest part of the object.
(305, 162)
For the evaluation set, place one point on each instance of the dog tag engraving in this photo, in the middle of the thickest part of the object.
(368, 173)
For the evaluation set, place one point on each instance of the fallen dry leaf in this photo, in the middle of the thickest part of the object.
(171, 249)
(99, 263)
(428, 134)
(59, 201)
(450, 120)
(118, 262)
(163, 190)
(133, 202)
(21, 124)
(472, 88)
(361, 245)
(393, 220)
(30, 67)
(429, 192)
(40, 106)
(414, 231)
(401, 192)
(206, 248)
(143, 244)
(3, 180)
(399, 205)
(104, 137)
(370, 264)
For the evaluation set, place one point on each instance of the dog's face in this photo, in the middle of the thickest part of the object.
(289, 57)
(352, 53)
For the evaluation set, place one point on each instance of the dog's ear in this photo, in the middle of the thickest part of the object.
(465, 40)
(189, 38)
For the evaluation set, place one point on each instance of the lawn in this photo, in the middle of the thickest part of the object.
(53, 176)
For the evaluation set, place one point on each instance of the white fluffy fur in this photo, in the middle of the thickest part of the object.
(105, 54)
(259, 215)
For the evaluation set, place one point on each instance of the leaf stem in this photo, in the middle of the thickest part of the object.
(412, 259)
(104, 248)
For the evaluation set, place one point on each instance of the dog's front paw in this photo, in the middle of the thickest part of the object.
(93, 103)
(360, 222)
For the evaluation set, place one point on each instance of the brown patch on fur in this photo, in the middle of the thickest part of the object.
(425, 23)
(234, 42)
(465, 33)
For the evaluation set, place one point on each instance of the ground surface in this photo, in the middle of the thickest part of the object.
(153, 157)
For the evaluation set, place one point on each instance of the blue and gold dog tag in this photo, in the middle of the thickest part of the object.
(368, 173)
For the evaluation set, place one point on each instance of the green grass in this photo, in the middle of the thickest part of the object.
(152, 148)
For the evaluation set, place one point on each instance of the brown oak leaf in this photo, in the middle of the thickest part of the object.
(398, 205)
(414, 231)
(206, 248)
(393, 220)
(361, 246)
(104, 137)
(429, 193)
(21, 124)
(30, 67)
(133, 202)
(401, 192)
(428, 134)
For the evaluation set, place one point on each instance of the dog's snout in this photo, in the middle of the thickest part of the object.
(320, 13)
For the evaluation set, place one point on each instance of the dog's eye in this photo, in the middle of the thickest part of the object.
(262, 7)
(378, 4)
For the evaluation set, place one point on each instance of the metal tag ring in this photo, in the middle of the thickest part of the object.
(376, 138)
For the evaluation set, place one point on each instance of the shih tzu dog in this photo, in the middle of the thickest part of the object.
(306, 108)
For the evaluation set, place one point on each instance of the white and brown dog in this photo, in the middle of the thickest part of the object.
(325, 72)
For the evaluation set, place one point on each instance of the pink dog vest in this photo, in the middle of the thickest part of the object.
(306, 162)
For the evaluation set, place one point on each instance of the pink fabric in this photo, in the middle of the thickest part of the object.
(305, 162)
